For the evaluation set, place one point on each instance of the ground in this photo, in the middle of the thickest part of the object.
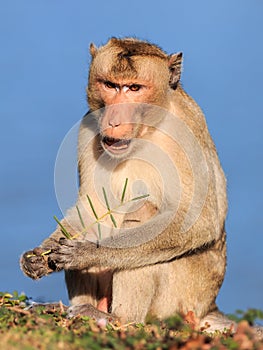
(45, 327)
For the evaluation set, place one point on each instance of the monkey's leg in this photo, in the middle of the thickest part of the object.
(188, 285)
(133, 290)
(191, 283)
(132, 294)
(89, 293)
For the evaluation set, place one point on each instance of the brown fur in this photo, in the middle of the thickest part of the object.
(177, 270)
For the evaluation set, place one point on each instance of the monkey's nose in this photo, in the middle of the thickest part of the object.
(114, 122)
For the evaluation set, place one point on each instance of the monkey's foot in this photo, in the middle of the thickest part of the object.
(90, 311)
(215, 321)
(47, 307)
(258, 332)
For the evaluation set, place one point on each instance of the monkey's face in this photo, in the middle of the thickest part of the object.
(126, 102)
(126, 79)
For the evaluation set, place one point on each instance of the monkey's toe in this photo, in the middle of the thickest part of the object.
(90, 311)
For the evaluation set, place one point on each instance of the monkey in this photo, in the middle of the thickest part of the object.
(168, 252)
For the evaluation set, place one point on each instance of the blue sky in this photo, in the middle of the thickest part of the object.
(43, 72)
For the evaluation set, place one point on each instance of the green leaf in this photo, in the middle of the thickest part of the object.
(80, 217)
(113, 220)
(92, 207)
(15, 294)
(22, 298)
(63, 230)
(99, 230)
(140, 197)
(124, 190)
(106, 199)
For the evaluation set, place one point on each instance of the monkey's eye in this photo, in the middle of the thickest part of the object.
(135, 87)
(110, 85)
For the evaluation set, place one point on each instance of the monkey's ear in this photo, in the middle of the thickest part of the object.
(175, 67)
(93, 50)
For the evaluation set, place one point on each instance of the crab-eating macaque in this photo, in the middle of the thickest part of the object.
(168, 252)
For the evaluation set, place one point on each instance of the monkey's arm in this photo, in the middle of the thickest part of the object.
(128, 250)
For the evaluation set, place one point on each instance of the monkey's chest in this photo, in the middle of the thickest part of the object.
(143, 180)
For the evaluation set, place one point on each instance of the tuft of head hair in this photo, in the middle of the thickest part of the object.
(129, 47)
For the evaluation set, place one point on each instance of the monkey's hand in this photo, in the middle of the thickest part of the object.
(70, 254)
(35, 264)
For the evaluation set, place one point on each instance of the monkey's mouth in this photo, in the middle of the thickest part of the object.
(115, 145)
